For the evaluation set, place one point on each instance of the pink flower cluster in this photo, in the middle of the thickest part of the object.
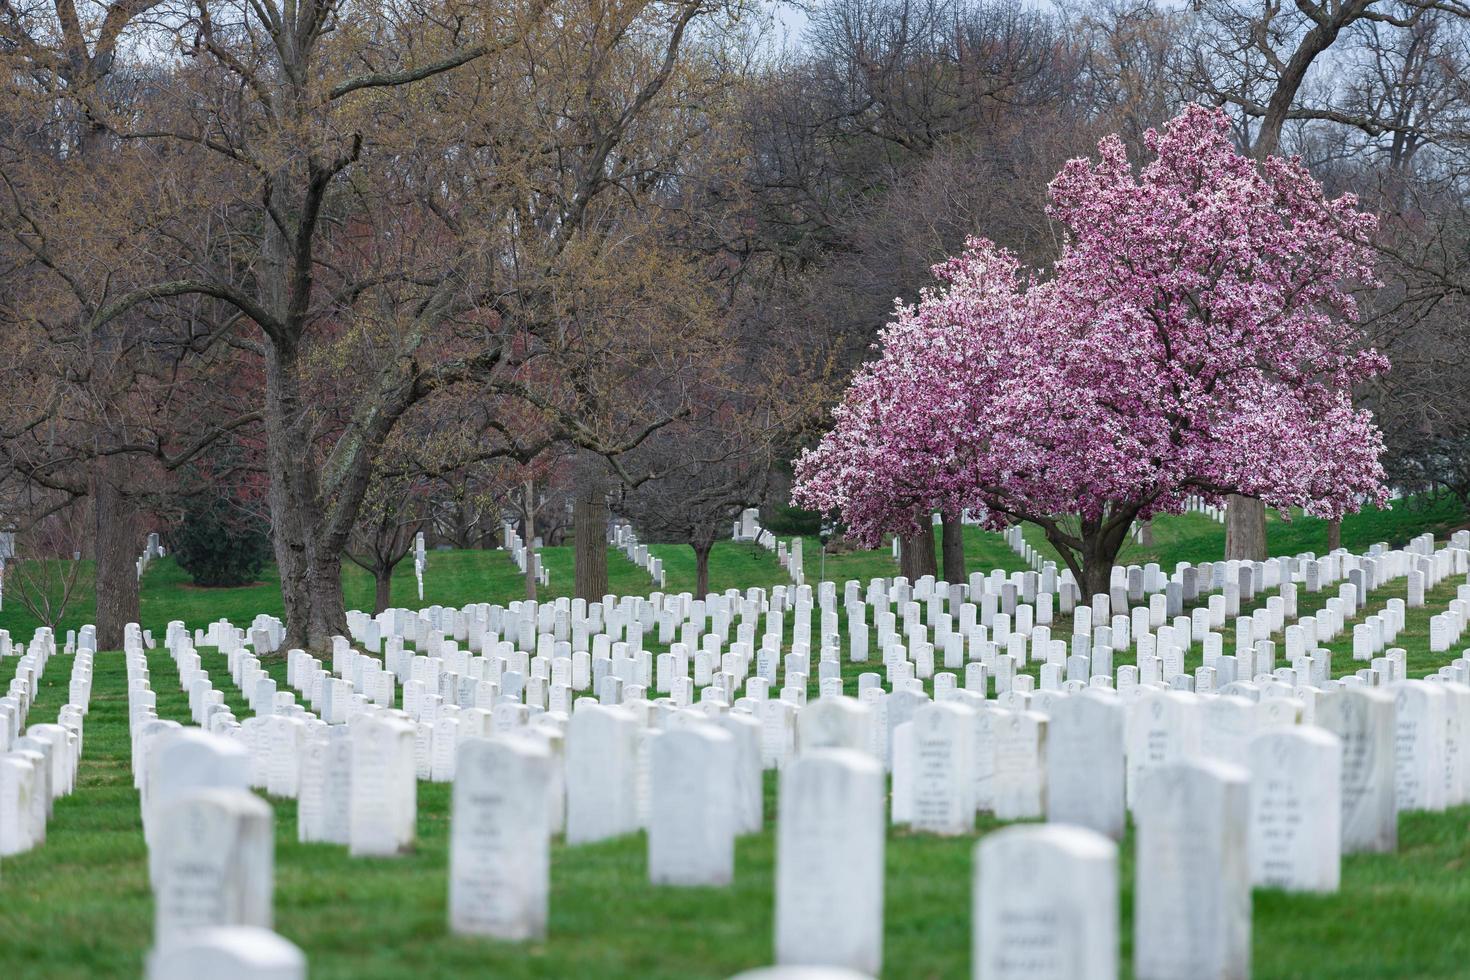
(1197, 336)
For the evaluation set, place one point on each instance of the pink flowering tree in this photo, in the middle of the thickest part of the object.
(1197, 336)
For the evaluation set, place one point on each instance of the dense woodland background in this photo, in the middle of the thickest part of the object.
(336, 273)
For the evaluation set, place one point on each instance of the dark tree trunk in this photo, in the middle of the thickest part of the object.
(117, 551)
(1334, 535)
(328, 607)
(382, 589)
(1293, 74)
(1096, 578)
(528, 535)
(589, 518)
(311, 579)
(701, 567)
(1245, 529)
(954, 549)
(916, 555)
(1092, 564)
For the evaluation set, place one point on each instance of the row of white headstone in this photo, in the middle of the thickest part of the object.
(613, 745)
(211, 848)
(1206, 830)
(789, 557)
(622, 537)
(520, 554)
(153, 549)
(38, 763)
(420, 562)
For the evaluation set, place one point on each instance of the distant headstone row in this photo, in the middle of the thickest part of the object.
(622, 537)
(520, 554)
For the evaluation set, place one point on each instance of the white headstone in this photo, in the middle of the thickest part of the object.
(1192, 899)
(211, 863)
(499, 839)
(691, 831)
(1045, 905)
(829, 862)
(1296, 810)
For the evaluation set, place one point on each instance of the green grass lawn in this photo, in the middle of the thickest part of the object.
(80, 905)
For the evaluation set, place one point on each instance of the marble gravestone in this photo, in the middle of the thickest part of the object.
(384, 791)
(211, 863)
(1084, 763)
(1192, 891)
(183, 760)
(601, 758)
(1296, 810)
(829, 862)
(942, 781)
(691, 830)
(834, 723)
(1363, 720)
(1018, 773)
(19, 813)
(1419, 745)
(324, 810)
(1045, 904)
(500, 839)
(228, 953)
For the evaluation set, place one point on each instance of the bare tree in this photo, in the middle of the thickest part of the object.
(704, 472)
(47, 564)
(389, 524)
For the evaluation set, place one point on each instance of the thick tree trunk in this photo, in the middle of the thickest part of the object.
(954, 549)
(1092, 565)
(382, 589)
(701, 567)
(1096, 579)
(916, 555)
(1334, 535)
(311, 580)
(1245, 529)
(117, 549)
(589, 517)
(328, 607)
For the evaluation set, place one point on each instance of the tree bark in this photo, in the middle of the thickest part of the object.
(1334, 535)
(589, 519)
(701, 567)
(1294, 74)
(328, 607)
(1092, 564)
(954, 549)
(116, 566)
(1097, 579)
(916, 555)
(311, 579)
(382, 589)
(1245, 529)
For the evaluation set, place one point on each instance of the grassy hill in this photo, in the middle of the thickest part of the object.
(455, 578)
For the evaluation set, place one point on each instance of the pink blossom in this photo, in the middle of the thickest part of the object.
(1197, 336)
